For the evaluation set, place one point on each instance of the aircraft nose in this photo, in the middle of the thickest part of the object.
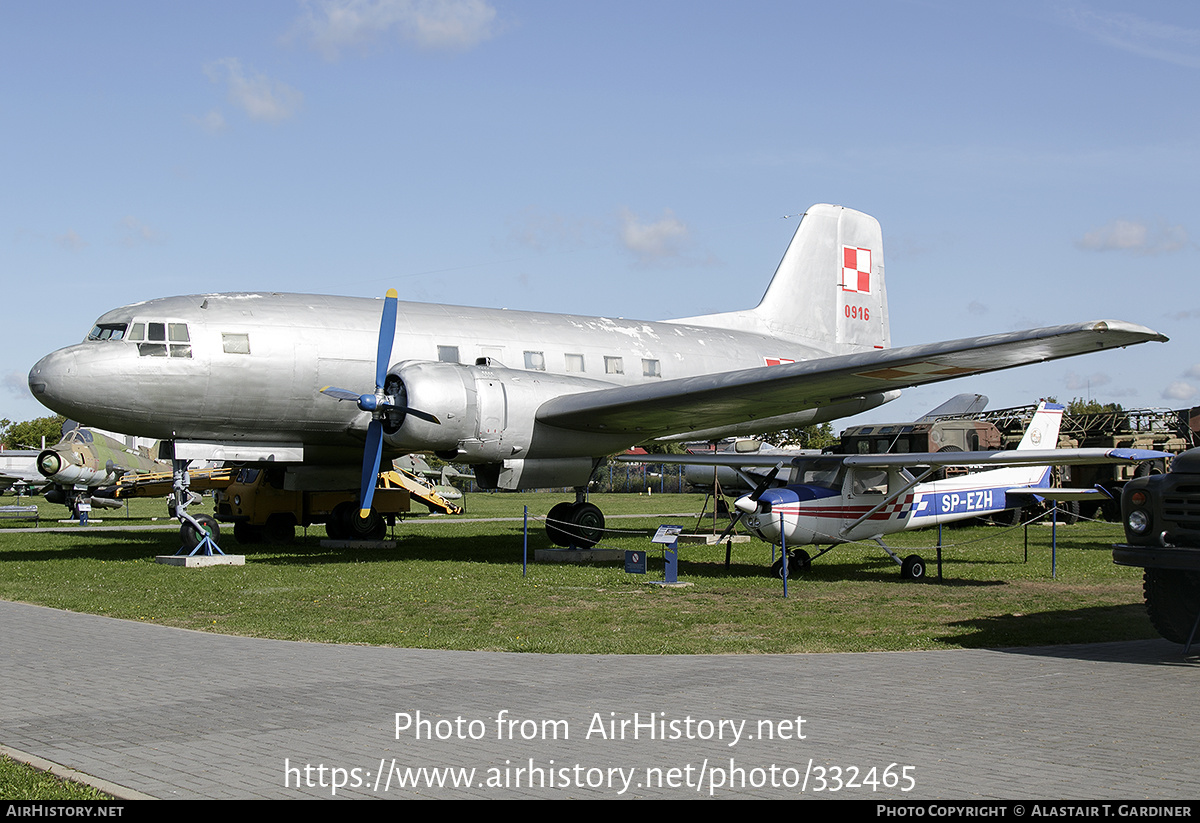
(50, 381)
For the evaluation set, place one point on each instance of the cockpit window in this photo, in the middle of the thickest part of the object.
(107, 331)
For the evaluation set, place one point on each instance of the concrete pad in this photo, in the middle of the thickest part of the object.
(200, 560)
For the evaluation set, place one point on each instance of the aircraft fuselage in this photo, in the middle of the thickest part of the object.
(250, 366)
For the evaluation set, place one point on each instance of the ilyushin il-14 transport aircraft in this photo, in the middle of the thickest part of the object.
(531, 400)
(826, 500)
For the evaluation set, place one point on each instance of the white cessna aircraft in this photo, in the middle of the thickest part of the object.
(826, 500)
(530, 399)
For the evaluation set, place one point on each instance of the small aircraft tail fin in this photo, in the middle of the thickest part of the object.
(1043, 428)
(827, 292)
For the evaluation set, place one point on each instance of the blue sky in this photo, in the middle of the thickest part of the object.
(1032, 163)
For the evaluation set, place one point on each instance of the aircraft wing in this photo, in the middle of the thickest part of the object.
(990, 459)
(691, 404)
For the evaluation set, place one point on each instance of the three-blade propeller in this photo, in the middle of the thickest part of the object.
(379, 404)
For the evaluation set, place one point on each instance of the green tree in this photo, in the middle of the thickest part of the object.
(29, 433)
(1080, 406)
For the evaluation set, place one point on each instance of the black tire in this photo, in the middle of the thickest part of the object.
(371, 527)
(798, 563)
(587, 525)
(913, 567)
(246, 534)
(1172, 601)
(557, 523)
(1068, 512)
(191, 538)
(338, 524)
(279, 529)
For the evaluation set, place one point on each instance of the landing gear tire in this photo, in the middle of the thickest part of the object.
(913, 568)
(1172, 601)
(798, 563)
(575, 524)
(557, 522)
(191, 538)
(589, 525)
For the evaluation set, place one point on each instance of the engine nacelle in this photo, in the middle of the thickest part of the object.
(486, 413)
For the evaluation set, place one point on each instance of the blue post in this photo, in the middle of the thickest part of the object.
(525, 546)
(783, 558)
(1054, 539)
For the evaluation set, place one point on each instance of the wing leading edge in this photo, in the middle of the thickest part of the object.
(736, 397)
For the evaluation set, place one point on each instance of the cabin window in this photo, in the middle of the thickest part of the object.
(614, 365)
(448, 354)
(137, 332)
(575, 363)
(535, 361)
(233, 343)
(651, 368)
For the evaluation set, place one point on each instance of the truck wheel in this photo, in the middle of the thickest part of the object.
(246, 534)
(191, 538)
(1172, 601)
(338, 524)
(279, 529)
(371, 527)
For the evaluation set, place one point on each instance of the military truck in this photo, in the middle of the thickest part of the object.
(1161, 515)
(263, 509)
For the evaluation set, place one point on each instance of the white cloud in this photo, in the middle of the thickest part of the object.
(137, 232)
(334, 25)
(1135, 236)
(212, 122)
(1129, 32)
(70, 241)
(1193, 372)
(652, 241)
(17, 383)
(258, 95)
(1179, 390)
(1079, 382)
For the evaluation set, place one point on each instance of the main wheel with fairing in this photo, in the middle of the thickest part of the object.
(192, 538)
(1172, 601)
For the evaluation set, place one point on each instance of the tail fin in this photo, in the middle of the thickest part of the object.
(1043, 428)
(828, 291)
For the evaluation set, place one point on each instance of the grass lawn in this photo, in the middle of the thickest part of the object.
(458, 585)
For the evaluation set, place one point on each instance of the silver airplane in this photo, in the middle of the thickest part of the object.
(531, 400)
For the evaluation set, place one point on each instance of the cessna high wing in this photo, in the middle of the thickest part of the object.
(530, 399)
(826, 500)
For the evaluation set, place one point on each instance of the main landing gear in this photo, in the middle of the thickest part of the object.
(911, 567)
(579, 525)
